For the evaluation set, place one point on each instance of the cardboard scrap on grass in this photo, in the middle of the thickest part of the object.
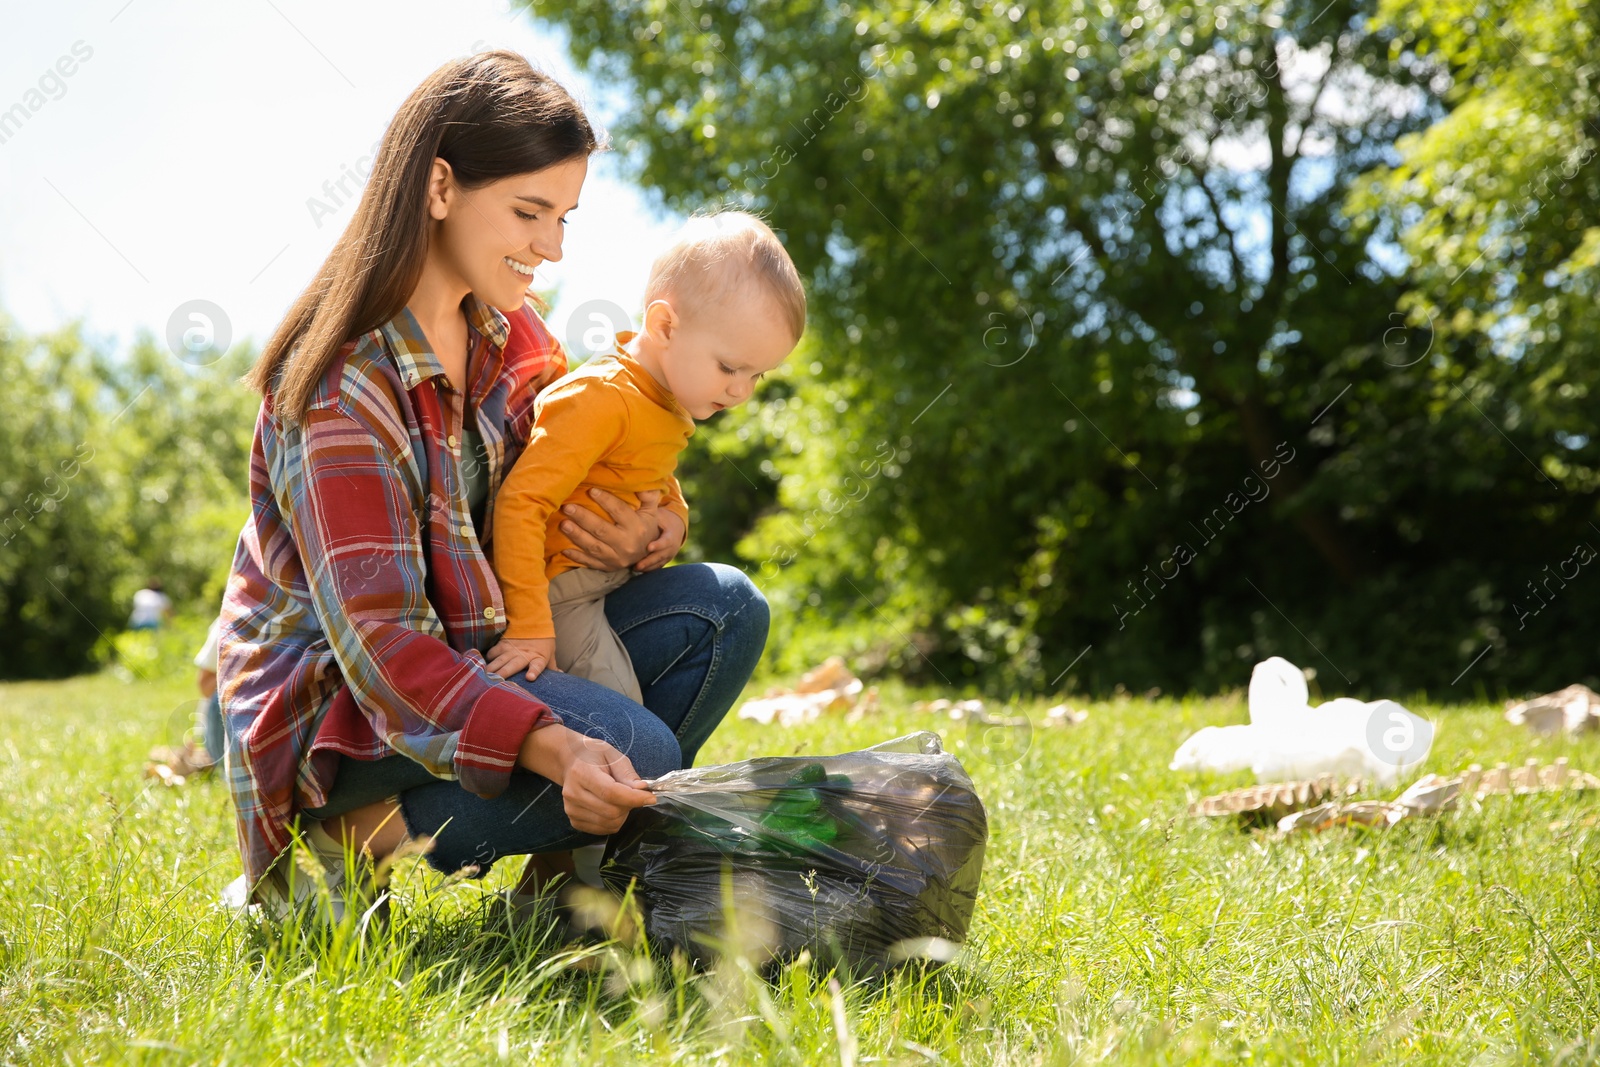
(828, 687)
(1267, 803)
(173, 765)
(1428, 795)
(1575, 709)
(1318, 804)
(956, 709)
(1061, 715)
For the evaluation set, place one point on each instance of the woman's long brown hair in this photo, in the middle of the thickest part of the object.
(489, 116)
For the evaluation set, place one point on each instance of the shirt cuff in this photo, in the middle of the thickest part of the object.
(530, 629)
(498, 724)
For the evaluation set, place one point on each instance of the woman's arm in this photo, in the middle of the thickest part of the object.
(598, 783)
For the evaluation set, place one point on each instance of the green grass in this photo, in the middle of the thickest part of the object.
(1111, 926)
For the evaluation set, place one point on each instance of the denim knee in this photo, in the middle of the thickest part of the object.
(653, 749)
(743, 605)
(596, 711)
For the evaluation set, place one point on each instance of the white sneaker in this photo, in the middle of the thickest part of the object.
(236, 895)
(272, 899)
(351, 887)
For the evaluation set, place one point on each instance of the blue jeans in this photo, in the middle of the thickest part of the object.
(210, 716)
(695, 634)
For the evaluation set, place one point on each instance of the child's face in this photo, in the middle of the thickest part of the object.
(714, 358)
(484, 235)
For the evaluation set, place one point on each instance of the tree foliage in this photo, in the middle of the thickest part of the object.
(1084, 275)
(119, 469)
(1497, 206)
(1146, 341)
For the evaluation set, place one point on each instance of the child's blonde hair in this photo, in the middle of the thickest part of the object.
(717, 255)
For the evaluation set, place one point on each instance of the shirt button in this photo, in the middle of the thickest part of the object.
(465, 530)
(488, 613)
(451, 440)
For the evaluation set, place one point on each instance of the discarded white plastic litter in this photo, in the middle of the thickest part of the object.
(1288, 739)
(1575, 709)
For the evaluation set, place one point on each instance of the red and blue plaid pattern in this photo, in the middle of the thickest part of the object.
(361, 600)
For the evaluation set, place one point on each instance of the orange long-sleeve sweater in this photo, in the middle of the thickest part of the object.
(607, 425)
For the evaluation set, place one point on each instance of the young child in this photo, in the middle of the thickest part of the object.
(723, 306)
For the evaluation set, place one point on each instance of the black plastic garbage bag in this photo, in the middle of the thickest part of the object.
(867, 858)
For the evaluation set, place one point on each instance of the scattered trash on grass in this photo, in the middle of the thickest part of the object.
(1428, 795)
(1531, 777)
(1062, 715)
(829, 687)
(1288, 739)
(870, 857)
(983, 720)
(174, 765)
(1575, 709)
(1325, 816)
(165, 774)
(956, 709)
(1433, 794)
(1266, 804)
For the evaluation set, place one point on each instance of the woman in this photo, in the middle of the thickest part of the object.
(396, 395)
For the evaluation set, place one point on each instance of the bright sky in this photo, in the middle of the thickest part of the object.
(176, 161)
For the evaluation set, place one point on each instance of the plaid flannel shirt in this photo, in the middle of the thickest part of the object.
(360, 600)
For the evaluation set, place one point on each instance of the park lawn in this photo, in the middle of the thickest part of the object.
(1111, 927)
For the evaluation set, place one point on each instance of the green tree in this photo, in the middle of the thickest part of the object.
(57, 570)
(1499, 198)
(1082, 275)
(1496, 205)
(119, 468)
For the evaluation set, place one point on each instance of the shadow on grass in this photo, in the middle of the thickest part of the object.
(476, 955)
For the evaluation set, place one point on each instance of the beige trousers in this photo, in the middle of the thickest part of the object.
(586, 645)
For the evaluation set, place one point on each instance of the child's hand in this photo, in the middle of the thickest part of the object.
(509, 656)
(666, 545)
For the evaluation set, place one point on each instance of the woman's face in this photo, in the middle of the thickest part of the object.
(491, 238)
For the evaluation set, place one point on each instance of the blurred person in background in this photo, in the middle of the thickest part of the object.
(151, 607)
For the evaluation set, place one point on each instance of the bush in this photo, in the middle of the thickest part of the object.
(118, 469)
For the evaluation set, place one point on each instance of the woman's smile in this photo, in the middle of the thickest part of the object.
(523, 270)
